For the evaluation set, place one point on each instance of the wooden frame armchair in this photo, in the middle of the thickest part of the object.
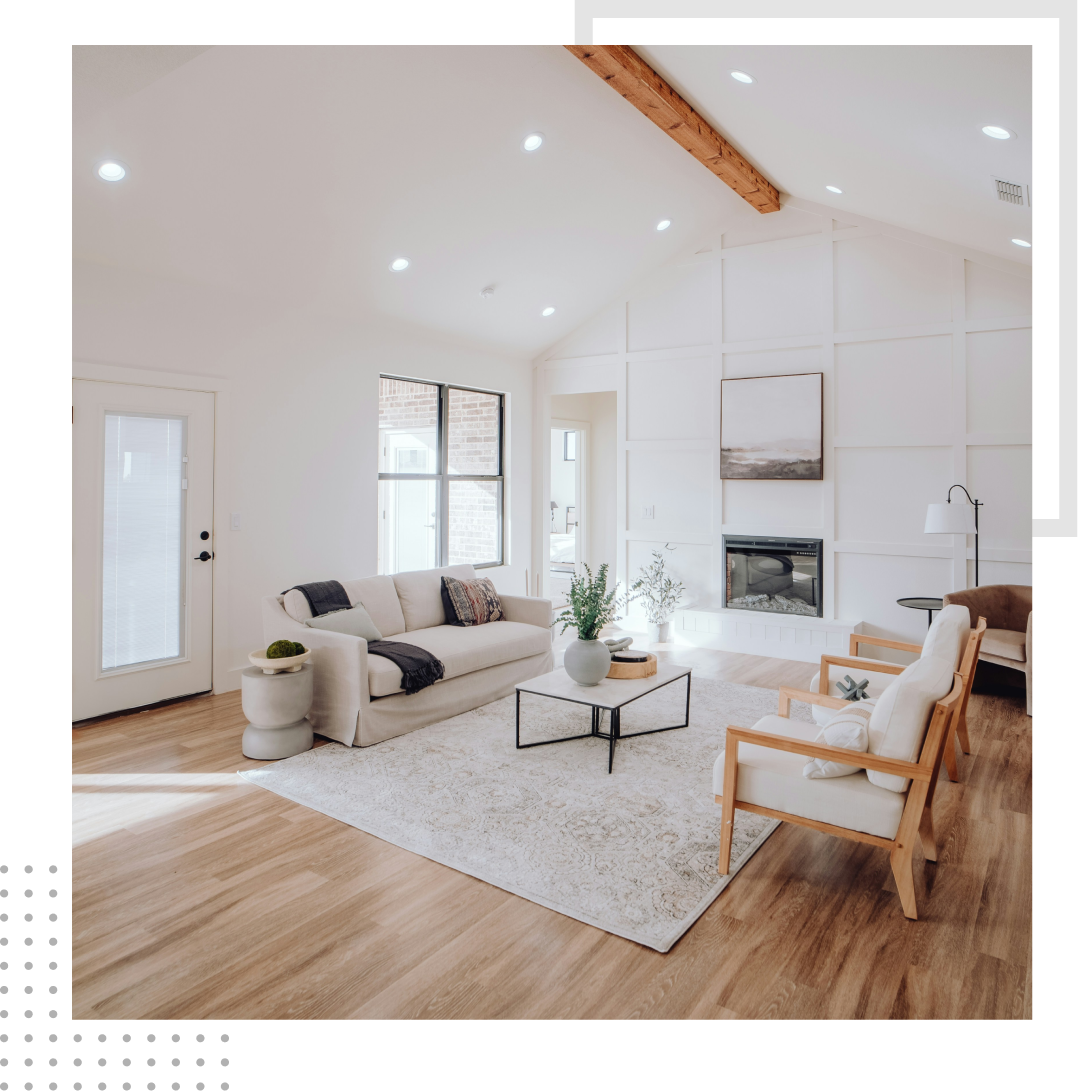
(854, 660)
(923, 775)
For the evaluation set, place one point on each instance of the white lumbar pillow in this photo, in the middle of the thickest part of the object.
(900, 718)
(847, 729)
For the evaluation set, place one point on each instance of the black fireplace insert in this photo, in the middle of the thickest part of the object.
(773, 575)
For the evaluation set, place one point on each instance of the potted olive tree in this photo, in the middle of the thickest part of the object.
(661, 596)
(591, 607)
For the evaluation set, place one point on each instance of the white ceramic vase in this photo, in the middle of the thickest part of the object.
(661, 633)
(587, 662)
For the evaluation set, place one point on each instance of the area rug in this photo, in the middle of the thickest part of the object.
(634, 852)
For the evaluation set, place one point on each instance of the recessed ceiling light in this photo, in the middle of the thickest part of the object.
(1021, 242)
(548, 311)
(662, 225)
(532, 142)
(996, 133)
(399, 265)
(742, 77)
(111, 171)
(833, 189)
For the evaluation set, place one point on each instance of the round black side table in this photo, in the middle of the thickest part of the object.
(931, 605)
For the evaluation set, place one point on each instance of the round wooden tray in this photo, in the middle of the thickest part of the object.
(634, 670)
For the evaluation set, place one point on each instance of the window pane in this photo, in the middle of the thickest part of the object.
(407, 537)
(474, 424)
(407, 427)
(143, 556)
(474, 530)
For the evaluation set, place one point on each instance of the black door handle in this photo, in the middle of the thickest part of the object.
(204, 556)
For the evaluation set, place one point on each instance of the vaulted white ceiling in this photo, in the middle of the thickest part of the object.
(896, 128)
(296, 174)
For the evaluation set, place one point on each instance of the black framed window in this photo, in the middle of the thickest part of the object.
(440, 484)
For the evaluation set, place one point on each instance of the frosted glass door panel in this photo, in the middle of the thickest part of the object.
(143, 559)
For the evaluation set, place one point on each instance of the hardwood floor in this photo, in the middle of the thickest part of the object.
(197, 895)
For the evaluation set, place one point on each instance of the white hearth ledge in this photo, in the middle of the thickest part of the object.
(782, 636)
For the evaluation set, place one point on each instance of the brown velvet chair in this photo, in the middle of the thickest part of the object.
(1008, 642)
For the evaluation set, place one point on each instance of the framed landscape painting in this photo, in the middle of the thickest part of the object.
(772, 428)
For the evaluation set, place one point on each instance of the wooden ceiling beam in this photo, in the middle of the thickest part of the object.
(637, 82)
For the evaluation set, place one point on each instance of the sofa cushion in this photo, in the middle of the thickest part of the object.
(377, 594)
(1005, 643)
(773, 779)
(847, 729)
(354, 622)
(461, 650)
(948, 634)
(420, 595)
(900, 719)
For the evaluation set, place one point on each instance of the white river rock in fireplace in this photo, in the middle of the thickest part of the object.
(774, 603)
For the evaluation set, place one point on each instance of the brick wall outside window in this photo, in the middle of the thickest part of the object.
(474, 421)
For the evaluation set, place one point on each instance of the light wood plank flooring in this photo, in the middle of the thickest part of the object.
(197, 897)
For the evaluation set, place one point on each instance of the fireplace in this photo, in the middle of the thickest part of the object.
(773, 575)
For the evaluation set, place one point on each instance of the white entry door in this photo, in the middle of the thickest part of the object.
(142, 526)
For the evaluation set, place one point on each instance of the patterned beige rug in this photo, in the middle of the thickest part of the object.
(633, 852)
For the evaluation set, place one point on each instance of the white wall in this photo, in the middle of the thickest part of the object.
(300, 440)
(925, 351)
(600, 412)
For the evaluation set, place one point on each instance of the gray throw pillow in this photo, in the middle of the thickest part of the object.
(354, 622)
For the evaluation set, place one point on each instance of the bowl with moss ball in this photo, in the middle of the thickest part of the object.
(280, 656)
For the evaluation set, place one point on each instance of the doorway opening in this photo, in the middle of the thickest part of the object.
(568, 446)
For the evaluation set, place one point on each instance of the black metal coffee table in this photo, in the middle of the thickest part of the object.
(610, 695)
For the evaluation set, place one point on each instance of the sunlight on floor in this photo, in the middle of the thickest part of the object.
(103, 803)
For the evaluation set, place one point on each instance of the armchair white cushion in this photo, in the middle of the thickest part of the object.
(946, 639)
(775, 779)
(900, 718)
(947, 635)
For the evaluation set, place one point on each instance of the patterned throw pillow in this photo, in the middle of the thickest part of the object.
(470, 602)
(848, 730)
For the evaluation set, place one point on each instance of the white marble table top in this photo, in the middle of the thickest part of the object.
(609, 693)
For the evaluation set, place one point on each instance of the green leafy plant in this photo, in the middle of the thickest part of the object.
(591, 606)
(659, 593)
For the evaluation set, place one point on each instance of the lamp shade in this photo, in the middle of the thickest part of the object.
(949, 519)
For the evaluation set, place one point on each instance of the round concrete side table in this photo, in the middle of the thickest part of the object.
(277, 707)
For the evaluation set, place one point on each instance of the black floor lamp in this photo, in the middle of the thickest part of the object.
(958, 519)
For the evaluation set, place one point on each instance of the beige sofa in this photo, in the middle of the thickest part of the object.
(358, 698)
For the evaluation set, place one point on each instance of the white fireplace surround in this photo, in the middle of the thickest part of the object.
(782, 636)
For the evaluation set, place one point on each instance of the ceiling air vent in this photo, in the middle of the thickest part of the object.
(1012, 192)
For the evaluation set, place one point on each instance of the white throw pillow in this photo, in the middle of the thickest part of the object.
(848, 729)
(900, 719)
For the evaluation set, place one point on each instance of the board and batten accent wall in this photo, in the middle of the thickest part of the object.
(925, 349)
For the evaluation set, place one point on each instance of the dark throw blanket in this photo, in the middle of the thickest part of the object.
(419, 668)
(323, 598)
